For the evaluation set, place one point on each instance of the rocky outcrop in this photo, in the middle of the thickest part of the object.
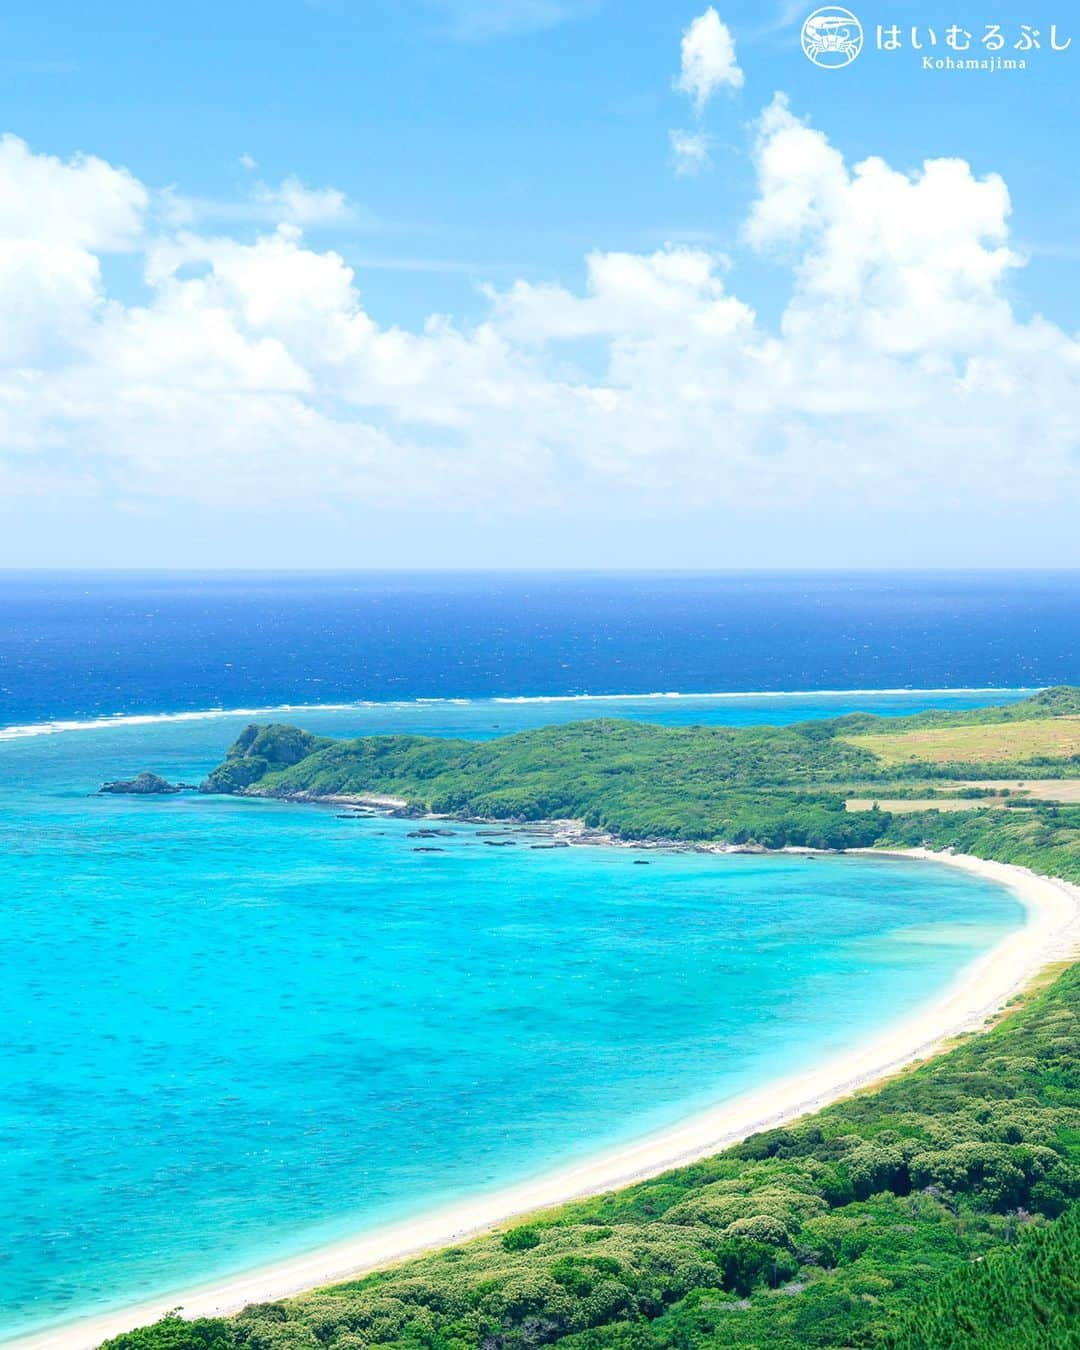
(258, 751)
(145, 784)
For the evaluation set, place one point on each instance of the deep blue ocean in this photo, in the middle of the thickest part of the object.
(235, 1030)
(79, 646)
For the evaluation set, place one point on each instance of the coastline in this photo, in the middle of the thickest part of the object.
(1051, 934)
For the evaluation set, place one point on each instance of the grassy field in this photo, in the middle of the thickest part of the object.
(990, 743)
(1000, 792)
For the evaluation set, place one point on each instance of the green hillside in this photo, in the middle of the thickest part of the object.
(767, 786)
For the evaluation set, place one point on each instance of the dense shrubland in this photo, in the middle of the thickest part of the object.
(1024, 1296)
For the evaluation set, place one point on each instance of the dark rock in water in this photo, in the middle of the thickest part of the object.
(145, 785)
(499, 843)
(641, 862)
(430, 834)
(427, 848)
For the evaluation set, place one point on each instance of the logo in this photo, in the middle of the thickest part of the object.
(832, 37)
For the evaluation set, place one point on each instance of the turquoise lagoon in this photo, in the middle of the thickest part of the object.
(236, 1030)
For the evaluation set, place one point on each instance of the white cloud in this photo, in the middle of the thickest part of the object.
(691, 151)
(799, 174)
(899, 379)
(910, 262)
(676, 292)
(708, 60)
(291, 203)
(84, 203)
(56, 219)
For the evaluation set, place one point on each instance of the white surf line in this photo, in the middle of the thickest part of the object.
(14, 733)
(774, 693)
(1051, 934)
(57, 726)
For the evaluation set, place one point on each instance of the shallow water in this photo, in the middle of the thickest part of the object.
(238, 1029)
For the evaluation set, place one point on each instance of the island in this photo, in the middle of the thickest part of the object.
(937, 1208)
(145, 784)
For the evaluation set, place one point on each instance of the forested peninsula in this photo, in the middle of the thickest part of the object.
(998, 782)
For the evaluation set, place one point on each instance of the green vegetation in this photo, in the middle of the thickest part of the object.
(260, 751)
(173, 1333)
(866, 1224)
(767, 786)
(1024, 1297)
(1045, 838)
(1061, 701)
(940, 1210)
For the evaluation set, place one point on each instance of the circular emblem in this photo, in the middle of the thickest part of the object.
(832, 37)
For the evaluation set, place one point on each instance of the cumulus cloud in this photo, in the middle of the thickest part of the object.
(83, 203)
(677, 291)
(898, 379)
(913, 262)
(708, 60)
(56, 220)
(292, 203)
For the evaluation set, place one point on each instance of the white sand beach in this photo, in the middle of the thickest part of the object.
(1051, 934)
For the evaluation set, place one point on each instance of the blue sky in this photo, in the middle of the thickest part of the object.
(476, 146)
(509, 138)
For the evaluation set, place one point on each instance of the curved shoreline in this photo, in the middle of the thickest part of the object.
(1051, 934)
